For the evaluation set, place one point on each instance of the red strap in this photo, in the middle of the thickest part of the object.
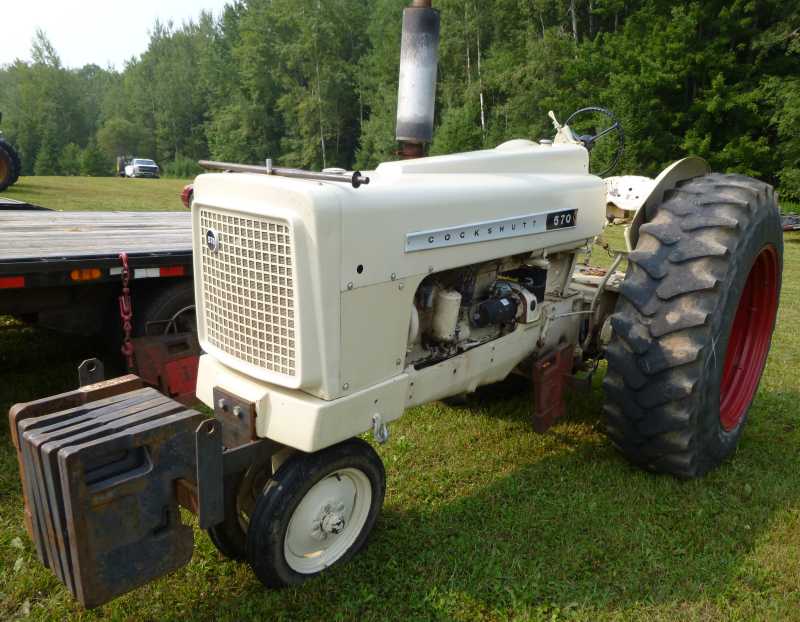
(126, 312)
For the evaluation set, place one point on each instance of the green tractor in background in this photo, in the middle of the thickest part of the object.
(10, 165)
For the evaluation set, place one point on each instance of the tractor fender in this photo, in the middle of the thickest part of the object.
(679, 171)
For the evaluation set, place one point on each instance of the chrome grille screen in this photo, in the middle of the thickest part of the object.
(248, 288)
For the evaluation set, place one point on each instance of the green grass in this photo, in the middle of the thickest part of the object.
(99, 193)
(486, 520)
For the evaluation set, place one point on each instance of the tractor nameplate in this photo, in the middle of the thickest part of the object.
(490, 230)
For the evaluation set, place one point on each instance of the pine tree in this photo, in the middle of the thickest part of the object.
(70, 161)
(47, 158)
(94, 163)
(306, 84)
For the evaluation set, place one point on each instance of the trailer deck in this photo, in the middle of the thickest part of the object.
(47, 236)
(57, 260)
(41, 248)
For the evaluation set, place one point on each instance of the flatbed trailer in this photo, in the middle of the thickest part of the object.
(63, 270)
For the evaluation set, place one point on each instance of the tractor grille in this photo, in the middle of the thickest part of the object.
(248, 289)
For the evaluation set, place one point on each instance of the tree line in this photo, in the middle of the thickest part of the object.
(313, 83)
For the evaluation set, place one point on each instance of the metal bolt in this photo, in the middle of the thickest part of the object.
(394, 276)
(222, 404)
(350, 285)
(346, 386)
(398, 362)
(401, 287)
(238, 412)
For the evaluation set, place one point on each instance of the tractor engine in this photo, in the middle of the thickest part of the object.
(334, 305)
(328, 309)
(466, 307)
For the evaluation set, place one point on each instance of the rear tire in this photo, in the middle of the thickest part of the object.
(174, 303)
(693, 324)
(8, 168)
(14, 158)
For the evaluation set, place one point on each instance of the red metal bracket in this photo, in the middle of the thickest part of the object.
(549, 377)
(169, 363)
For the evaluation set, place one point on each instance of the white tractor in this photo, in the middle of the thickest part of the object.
(330, 303)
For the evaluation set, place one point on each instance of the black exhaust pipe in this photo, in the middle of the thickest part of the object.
(416, 98)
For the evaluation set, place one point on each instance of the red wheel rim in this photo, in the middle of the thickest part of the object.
(749, 341)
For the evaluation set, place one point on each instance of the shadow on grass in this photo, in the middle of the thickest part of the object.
(579, 530)
(568, 527)
(35, 362)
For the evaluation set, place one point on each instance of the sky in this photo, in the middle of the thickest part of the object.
(103, 32)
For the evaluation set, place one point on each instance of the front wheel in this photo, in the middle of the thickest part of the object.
(317, 510)
(241, 492)
(693, 325)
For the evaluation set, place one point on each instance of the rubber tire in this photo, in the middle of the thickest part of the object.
(9, 177)
(228, 537)
(14, 158)
(162, 304)
(17, 163)
(282, 495)
(674, 317)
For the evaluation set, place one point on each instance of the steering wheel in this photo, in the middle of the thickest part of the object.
(589, 140)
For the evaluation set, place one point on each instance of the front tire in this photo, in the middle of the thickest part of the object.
(693, 324)
(241, 492)
(317, 510)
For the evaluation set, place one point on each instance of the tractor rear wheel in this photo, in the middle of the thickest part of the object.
(694, 323)
(14, 158)
(8, 167)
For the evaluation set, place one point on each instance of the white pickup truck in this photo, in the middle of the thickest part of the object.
(142, 167)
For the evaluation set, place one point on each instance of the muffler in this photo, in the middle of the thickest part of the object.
(416, 98)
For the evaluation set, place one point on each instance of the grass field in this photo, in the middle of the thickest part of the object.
(484, 519)
(99, 193)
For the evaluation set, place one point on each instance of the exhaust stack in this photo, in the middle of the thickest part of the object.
(416, 98)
